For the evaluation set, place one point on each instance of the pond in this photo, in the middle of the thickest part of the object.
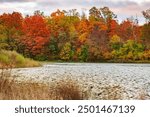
(134, 78)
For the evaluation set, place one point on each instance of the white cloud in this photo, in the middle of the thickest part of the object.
(23, 7)
(123, 8)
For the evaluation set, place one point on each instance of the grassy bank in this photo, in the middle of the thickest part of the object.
(12, 59)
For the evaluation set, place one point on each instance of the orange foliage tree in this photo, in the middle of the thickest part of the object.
(12, 26)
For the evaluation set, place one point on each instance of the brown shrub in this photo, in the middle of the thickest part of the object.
(68, 89)
(65, 89)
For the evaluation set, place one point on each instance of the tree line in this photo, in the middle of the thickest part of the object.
(69, 36)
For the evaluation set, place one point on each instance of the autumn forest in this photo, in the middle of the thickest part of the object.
(70, 36)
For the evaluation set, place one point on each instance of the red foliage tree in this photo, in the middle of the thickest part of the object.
(114, 28)
(125, 30)
(36, 34)
(13, 20)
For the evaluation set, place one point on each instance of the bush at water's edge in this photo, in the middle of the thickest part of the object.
(13, 59)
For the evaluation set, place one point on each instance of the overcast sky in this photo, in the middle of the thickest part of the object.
(123, 8)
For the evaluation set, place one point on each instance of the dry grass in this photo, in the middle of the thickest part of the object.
(10, 90)
(66, 89)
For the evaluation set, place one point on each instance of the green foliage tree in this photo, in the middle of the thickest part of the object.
(83, 54)
(131, 50)
(115, 42)
(66, 52)
(3, 37)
